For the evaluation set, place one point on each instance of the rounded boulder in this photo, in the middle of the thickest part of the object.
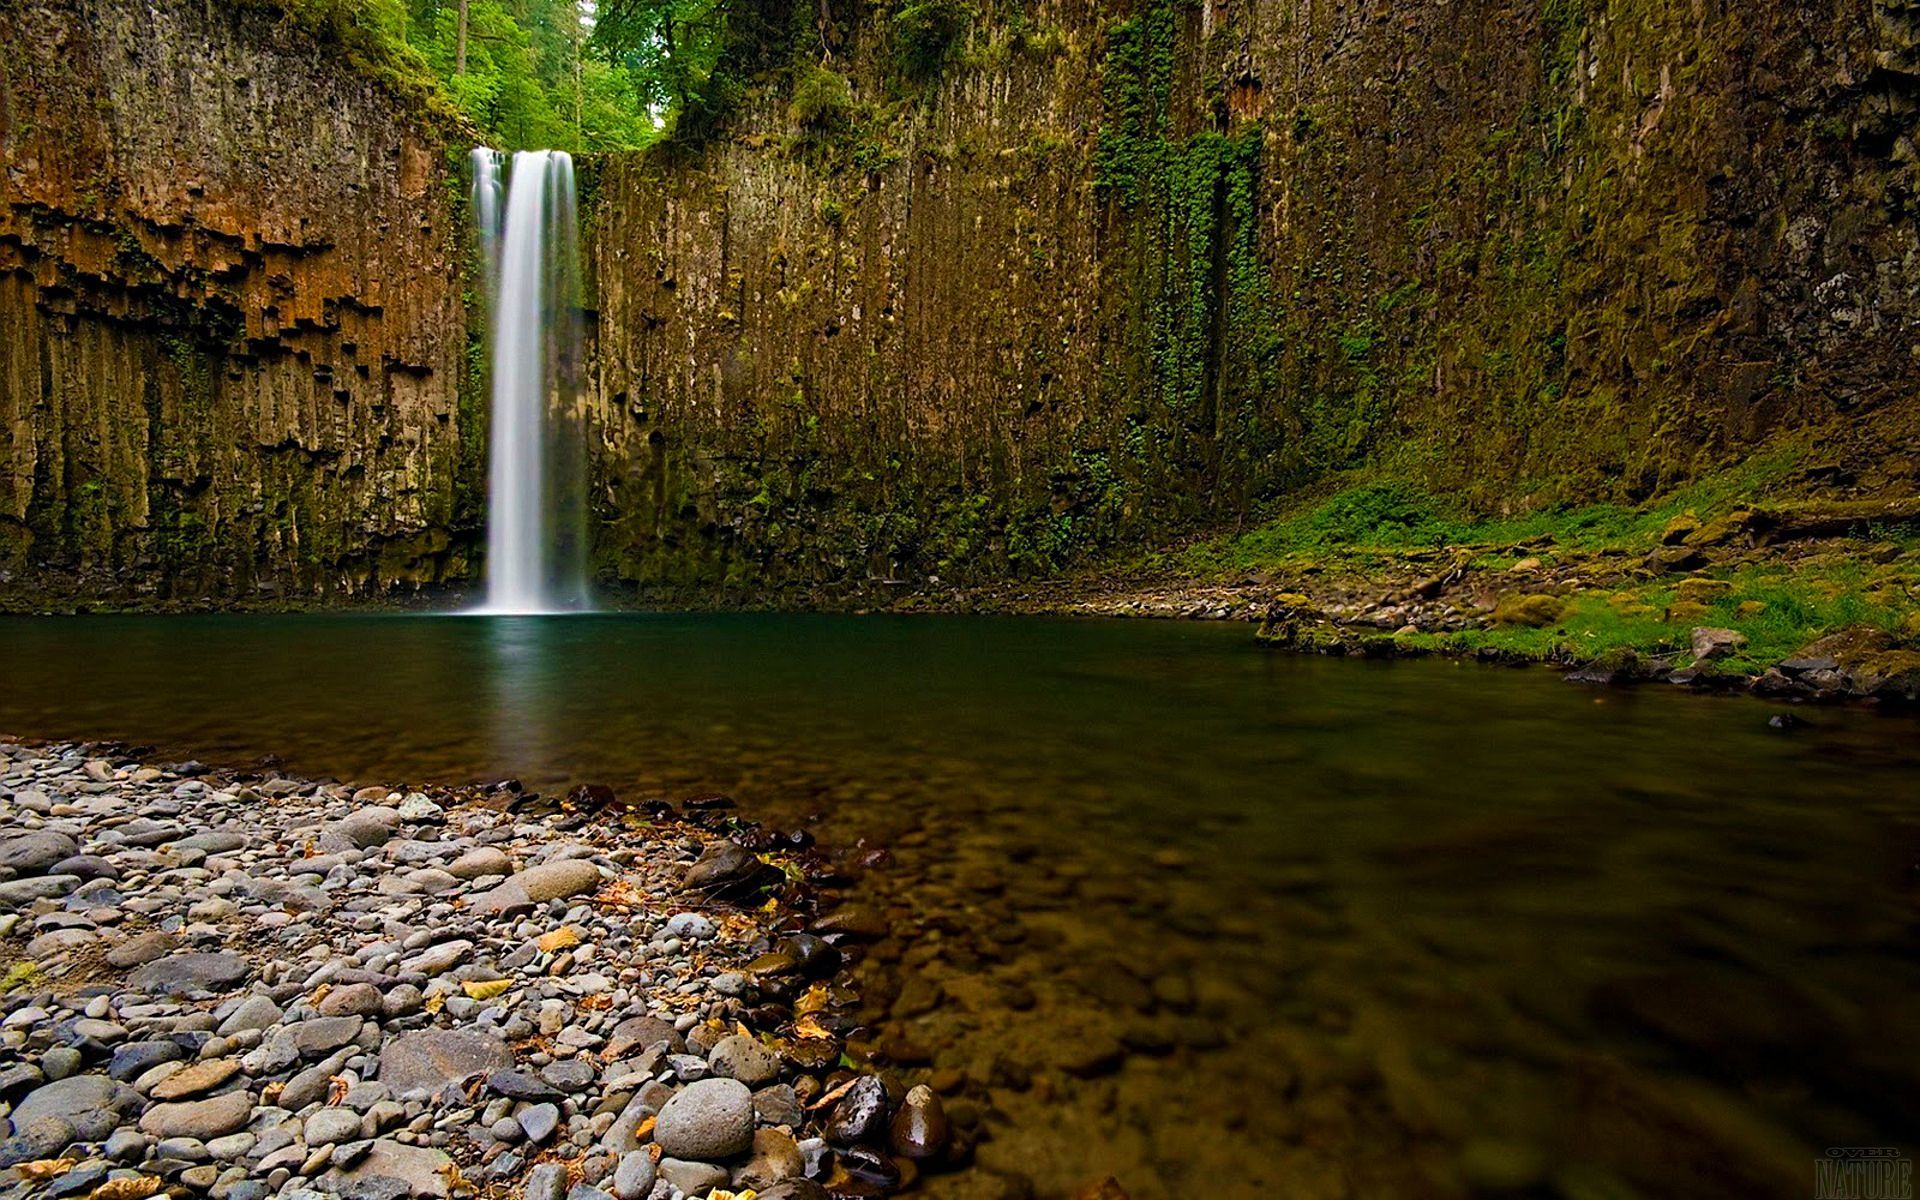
(706, 1121)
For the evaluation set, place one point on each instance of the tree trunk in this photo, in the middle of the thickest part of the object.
(460, 43)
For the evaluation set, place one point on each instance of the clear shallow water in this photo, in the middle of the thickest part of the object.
(1177, 909)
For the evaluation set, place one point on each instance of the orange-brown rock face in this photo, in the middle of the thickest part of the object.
(231, 329)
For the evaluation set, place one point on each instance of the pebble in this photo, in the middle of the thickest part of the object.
(320, 992)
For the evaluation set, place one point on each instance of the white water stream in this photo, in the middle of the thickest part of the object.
(535, 512)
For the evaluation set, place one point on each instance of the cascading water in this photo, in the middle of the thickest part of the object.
(535, 490)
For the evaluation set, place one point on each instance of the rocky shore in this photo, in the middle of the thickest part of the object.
(251, 986)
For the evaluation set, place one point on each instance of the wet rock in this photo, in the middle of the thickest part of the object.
(691, 1177)
(852, 922)
(861, 1114)
(707, 1120)
(724, 868)
(919, 1130)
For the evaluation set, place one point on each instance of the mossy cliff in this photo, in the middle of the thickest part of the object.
(970, 291)
(231, 326)
(951, 290)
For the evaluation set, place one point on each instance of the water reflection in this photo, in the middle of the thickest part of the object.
(1189, 912)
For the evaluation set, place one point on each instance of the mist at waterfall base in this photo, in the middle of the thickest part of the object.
(528, 230)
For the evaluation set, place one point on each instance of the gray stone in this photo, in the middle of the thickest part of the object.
(92, 1104)
(709, 1119)
(391, 1170)
(22, 892)
(432, 1058)
(537, 885)
(142, 948)
(186, 973)
(738, 1056)
(477, 864)
(352, 1000)
(548, 1181)
(32, 853)
(369, 827)
(41, 1138)
(203, 1119)
(691, 1177)
(570, 1074)
(633, 1178)
(539, 1121)
(322, 1035)
(332, 1125)
(255, 1012)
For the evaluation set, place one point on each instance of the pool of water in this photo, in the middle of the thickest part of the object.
(1171, 908)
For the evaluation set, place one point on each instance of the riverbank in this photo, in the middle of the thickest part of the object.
(1814, 600)
(252, 985)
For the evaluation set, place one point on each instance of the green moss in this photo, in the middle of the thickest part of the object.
(925, 35)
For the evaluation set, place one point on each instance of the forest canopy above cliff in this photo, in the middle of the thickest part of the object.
(527, 73)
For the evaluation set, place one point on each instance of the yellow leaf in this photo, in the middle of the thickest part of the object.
(809, 1026)
(558, 939)
(133, 1187)
(45, 1168)
(436, 1002)
(485, 989)
(813, 1000)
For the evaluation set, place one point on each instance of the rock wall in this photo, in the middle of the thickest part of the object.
(231, 326)
(1123, 269)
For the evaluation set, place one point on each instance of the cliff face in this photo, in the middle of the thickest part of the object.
(231, 325)
(1121, 269)
(968, 291)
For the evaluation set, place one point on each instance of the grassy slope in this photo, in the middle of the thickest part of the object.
(1780, 598)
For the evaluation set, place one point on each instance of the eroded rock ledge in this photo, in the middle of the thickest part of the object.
(230, 312)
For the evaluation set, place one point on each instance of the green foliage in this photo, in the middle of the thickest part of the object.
(692, 58)
(925, 34)
(822, 99)
(529, 81)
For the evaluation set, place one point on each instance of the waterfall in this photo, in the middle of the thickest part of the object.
(529, 249)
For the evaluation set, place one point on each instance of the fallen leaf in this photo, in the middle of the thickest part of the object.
(644, 1131)
(133, 1187)
(45, 1168)
(558, 939)
(833, 1095)
(485, 989)
(436, 1002)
